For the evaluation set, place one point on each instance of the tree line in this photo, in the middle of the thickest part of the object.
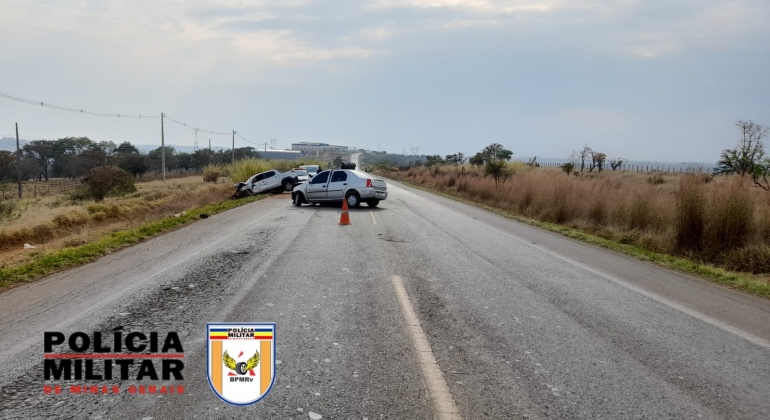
(73, 157)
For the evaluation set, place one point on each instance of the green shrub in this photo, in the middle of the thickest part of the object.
(108, 180)
(6, 208)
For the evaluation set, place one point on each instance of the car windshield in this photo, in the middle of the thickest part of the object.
(300, 172)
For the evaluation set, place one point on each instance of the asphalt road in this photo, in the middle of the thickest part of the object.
(520, 323)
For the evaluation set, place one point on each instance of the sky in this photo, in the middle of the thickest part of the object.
(661, 80)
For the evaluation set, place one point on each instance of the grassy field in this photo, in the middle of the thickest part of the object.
(52, 220)
(704, 224)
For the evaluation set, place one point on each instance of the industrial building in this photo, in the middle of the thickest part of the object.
(310, 147)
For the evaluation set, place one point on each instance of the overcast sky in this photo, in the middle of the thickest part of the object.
(647, 80)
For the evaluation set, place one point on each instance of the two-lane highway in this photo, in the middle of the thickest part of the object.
(421, 304)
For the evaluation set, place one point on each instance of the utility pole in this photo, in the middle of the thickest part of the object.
(209, 145)
(162, 146)
(196, 140)
(18, 157)
(233, 147)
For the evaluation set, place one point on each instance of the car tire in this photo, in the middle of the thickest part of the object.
(249, 192)
(288, 185)
(298, 200)
(353, 199)
(373, 203)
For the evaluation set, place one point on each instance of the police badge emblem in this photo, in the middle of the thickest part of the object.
(241, 360)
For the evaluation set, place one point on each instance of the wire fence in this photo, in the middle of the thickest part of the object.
(641, 168)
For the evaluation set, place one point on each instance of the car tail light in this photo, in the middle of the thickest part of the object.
(368, 183)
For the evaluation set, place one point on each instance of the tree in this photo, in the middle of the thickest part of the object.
(126, 147)
(583, 156)
(616, 163)
(457, 158)
(747, 154)
(106, 180)
(7, 165)
(69, 154)
(133, 163)
(156, 159)
(434, 160)
(109, 147)
(496, 152)
(533, 162)
(477, 159)
(42, 152)
(568, 167)
(597, 161)
(184, 161)
(499, 171)
(93, 157)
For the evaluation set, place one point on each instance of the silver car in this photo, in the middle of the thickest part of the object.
(350, 185)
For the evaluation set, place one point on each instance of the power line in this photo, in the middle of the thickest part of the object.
(82, 111)
(247, 140)
(70, 109)
(194, 128)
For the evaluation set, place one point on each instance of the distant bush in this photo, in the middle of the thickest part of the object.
(568, 167)
(108, 180)
(211, 173)
(6, 208)
(656, 179)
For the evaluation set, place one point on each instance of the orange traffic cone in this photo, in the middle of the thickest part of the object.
(345, 217)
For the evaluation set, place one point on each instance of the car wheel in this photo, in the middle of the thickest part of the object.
(353, 199)
(288, 185)
(249, 192)
(373, 203)
(298, 200)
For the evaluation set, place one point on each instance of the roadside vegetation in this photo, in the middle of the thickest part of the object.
(64, 221)
(697, 219)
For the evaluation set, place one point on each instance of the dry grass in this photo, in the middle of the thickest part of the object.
(243, 169)
(52, 220)
(720, 221)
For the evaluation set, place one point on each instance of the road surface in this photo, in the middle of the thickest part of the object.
(376, 320)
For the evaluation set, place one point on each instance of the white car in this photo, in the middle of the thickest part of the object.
(271, 180)
(350, 185)
(311, 169)
(301, 174)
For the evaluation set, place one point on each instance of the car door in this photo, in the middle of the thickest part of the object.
(271, 180)
(337, 185)
(255, 183)
(316, 188)
(264, 182)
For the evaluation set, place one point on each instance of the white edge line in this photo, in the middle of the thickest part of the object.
(374, 221)
(444, 407)
(695, 314)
